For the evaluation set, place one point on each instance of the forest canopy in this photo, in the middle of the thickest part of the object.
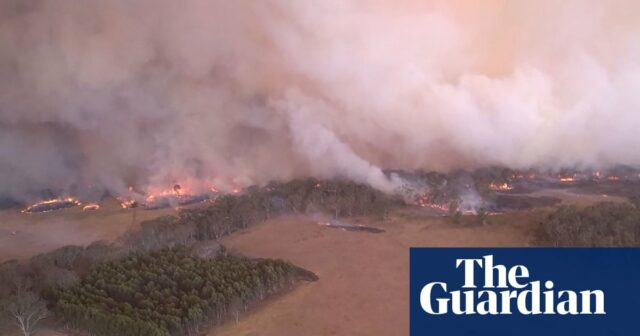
(167, 292)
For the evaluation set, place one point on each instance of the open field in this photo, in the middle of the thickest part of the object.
(363, 276)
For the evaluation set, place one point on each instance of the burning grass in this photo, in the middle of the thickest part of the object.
(128, 203)
(431, 190)
(500, 186)
(52, 204)
(91, 207)
(174, 197)
(425, 202)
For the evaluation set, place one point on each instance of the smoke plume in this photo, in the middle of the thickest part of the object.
(100, 95)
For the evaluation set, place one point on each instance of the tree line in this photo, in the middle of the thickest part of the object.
(229, 213)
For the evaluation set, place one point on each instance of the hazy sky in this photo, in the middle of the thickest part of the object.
(106, 94)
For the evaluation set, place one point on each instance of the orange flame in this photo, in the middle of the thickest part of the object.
(61, 201)
(91, 207)
(567, 179)
(502, 186)
(128, 203)
(424, 202)
(176, 190)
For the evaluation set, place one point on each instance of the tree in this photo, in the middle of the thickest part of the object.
(235, 307)
(482, 216)
(26, 309)
(454, 212)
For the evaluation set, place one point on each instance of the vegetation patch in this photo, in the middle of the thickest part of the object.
(230, 213)
(601, 225)
(167, 292)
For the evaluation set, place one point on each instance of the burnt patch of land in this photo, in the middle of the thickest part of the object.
(626, 188)
(522, 202)
(334, 224)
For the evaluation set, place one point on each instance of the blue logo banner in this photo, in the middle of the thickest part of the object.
(524, 291)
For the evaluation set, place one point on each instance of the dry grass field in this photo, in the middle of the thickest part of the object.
(363, 286)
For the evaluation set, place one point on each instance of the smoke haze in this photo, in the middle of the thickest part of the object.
(107, 94)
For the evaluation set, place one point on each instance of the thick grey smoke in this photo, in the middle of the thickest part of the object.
(107, 94)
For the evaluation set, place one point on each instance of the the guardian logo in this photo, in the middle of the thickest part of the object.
(493, 289)
(524, 291)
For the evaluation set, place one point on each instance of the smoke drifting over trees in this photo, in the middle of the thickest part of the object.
(106, 94)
